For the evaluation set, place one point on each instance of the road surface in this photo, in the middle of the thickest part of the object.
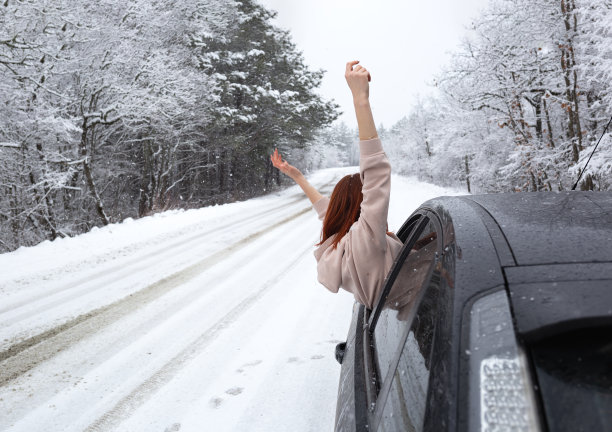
(199, 320)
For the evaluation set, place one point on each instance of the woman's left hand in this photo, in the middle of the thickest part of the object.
(284, 166)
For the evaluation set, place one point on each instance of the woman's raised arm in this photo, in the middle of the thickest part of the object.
(297, 176)
(374, 167)
(358, 79)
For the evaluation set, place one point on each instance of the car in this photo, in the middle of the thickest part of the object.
(495, 316)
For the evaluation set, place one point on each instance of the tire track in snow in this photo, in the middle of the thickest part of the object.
(102, 277)
(21, 357)
(130, 402)
(83, 286)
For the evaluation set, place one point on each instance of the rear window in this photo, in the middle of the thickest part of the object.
(574, 371)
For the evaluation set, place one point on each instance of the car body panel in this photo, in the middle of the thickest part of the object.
(559, 273)
(351, 405)
(545, 309)
(545, 228)
(524, 244)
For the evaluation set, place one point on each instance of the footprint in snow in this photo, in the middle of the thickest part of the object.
(173, 428)
(298, 360)
(247, 365)
(234, 391)
(216, 402)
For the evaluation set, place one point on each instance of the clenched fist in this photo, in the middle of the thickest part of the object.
(358, 79)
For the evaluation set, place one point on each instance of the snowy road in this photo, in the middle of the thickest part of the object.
(207, 320)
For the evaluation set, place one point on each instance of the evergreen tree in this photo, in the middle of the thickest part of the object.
(265, 98)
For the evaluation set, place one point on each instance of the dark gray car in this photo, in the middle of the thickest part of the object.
(496, 316)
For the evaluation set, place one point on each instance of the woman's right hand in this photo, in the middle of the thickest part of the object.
(284, 166)
(358, 78)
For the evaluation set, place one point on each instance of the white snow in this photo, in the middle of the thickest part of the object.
(199, 320)
(255, 52)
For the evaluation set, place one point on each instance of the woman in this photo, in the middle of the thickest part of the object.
(356, 251)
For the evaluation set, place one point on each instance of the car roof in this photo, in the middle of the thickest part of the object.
(553, 228)
(544, 232)
(554, 251)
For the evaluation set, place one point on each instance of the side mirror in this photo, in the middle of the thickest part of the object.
(340, 350)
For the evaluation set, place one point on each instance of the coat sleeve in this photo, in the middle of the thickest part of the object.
(368, 236)
(375, 171)
(321, 207)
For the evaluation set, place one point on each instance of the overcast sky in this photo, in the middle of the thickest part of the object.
(404, 43)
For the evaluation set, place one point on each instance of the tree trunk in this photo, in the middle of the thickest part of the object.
(551, 140)
(534, 183)
(88, 174)
(146, 184)
(467, 174)
(48, 209)
(587, 184)
(568, 64)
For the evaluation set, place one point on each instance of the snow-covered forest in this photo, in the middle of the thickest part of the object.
(117, 109)
(521, 105)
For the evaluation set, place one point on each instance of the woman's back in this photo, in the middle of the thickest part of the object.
(364, 255)
(356, 252)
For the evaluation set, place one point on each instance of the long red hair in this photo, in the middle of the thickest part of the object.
(344, 208)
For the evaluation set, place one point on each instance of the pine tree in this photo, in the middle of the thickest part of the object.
(264, 99)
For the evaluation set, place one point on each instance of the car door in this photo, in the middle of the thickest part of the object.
(400, 332)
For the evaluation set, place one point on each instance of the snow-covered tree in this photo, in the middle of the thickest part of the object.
(122, 108)
(522, 101)
(265, 98)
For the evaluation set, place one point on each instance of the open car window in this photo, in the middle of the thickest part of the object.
(411, 273)
(409, 387)
(406, 229)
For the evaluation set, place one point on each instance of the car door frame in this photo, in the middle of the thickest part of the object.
(412, 229)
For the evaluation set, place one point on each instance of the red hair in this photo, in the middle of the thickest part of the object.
(344, 208)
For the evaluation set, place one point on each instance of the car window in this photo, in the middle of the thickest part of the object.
(397, 312)
(404, 407)
(407, 227)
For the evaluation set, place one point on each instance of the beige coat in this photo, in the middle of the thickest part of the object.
(365, 254)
